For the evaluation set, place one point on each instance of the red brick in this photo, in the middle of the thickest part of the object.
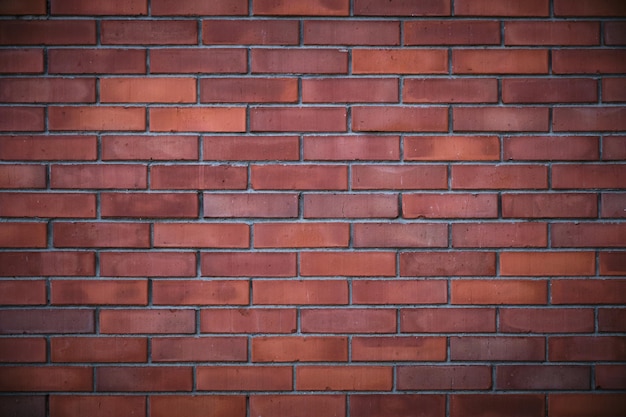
(344, 378)
(312, 8)
(449, 205)
(158, 321)
(398, 405)
(144, 378)
(148, 90)
(195, 119)
(608, 8)
(501, 8)
(66, 263)
(47, 205)
(448, 320)
(586, 404)
(612, 263)
(244, 378)
(303, 405)
(372, 235)
(450, 90)
(22, 176)
(22, 349)
(253, 148)
(588, 176)
(99, 176)
(148, 264)
(298, 119)
(447, 263)
(550, 148)
(97, 61)
(248, 90)
(398, 348)
(249, 32)
(610, 377)
(251, 205)
(350, 205)
(99, 349)
(551, 33)
(194, 235)
(248, 320)
(401, 8)
(48, 148)
(246, 264)
(450, 32)
(303, 235)
(48, 32)
(565, 205)
(23, 7)
(377, 177)
(146, 32)
(22, 119)
(613, 205)
(549, 90)
(546, 320)
(399, 61)
(500, 61)
(45, 90)
(46, 320)
(508, 119)
(23, 235)
(571, 235)
(46, 378)
(475, 292)
(90, 234)
(444, 377)
(88, 292)
(299, 349)
(511, 405)
(149, 205)
(349, 90)
(96, 405)
(223, 292)
(299, 177)
(589, 119)
(588, 291)
(497, 348)
(298, 60)
(588, 61)
(613, 89)
(96, 118)
(149, 147)
(28, 60)
(348, 264)
(334, 32)
(114, 7)
(587, 348)
(615, 33)
(499, 235)
(354, 148)
(198, 177)
(547, 263)
(198, 7)
(203, 349)
(399, 292)
(195, 405)
(198, 60)
(349, 320)
(399, 119)
(21, 292)
(476, 177)
(612, 319)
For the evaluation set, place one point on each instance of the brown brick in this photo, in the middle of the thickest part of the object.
(499, 177)
(196, 119)
(500, 61)
(398, 177)
(399, 119)
(613, 89)
(96, 405)
(148, 90)
(198, 7)
(48, 148)
(97, 61)
(353, 148)
(551, 33)
(350, 205)
(612, 263)
(450, 32)
(144, 378)
(248, 320)
(444, 377)
(22, 349)
(21, 8)
(398, 405)
(344, 378)
(614, 33)
(447, 263)
(299, 349)
(303, 61)
(46, 320)
(613, 205)
(572, 235)
(587, 348)
(347, 263)
(114, 7)
(398, 348)
(244, 378)
(507, 119)
(249, 32)
(156, 321)
(335, 32)
(588, 291)
(246, 264)
(47, 90)
(48, 32)
(401, 8)
(501, 8)
(198, 60)
(222, 292)
(248, 90)
(299, 177)
(550, 148)
(349, 90)
(298, 119)
(608, 8)
(99, 349)
(94, 235)
(546, 320)
(305, 405)
(450, 90)
(348, 320)
(149, 32)
(399, 292)
(448, 320)
(251, 148)
(195, 405)
(513, 405)
(497, 348)
(561, 205)
(23, 292)
(198, 177)
(449, 205)
(157, 205)
(28, 60)
(199, 349)
(313, 7)
(373, 235)
(503, 235)
(23, 235)
(589, 119)
(251, 205)
(581, 404)
(610, 377)
(96, 118)
(549, 90)
(98, 292)
(611, 319)
(46, 378)
(22, 119)
(99, 176)
(588, 61)
(151, 264)
(33, 264)
(23, 176)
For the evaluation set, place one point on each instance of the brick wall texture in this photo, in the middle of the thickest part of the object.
(313, 208)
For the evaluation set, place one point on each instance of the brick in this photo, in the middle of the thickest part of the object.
(611, 319)
(422, 264)
(399, 61)
(450, 32)
(195, 405)
(244, 378)
(401, 8)
(96, 405)
(298, 119)
(251, 148)
(502, 176)
(46, 320)
(23, 176)
(99, 176)
(354, 148)
(249, 32)
(571, 235)
(193, 235)
(581, 404)
(419, 235)
(507, 119)
(562, 205)
(144, 378)
(610, 377)
(22, 119)
(23, 7)
(349, 90)
(299, 349)
(157, 205)
(98, 349)
(612, 205)
(48, 148)
(115, 7)
(500, 61)
(444, 377)
(612, 263)
(613, 89)
(246, 264)
(94, 235)
(266, 205)
(46, 90)
(399, 292)
(97, 61)
(587, 348)
(248, 90)
(303, 405)
(449, 205)
(588, 61)
(23, 405)
(499, 235)
(551, 33)
(298, 60)
(589, 119)
(510, 8)
(199, 349)
(299, 177)
(89, 292)
(301, 292)
(153, 321)
(63, 263)
(148, 264)
(497, 348)
(448, 320)
(398, 348)
(348, 264)
(344, 378)
(399, 119)
(198, 119)
(587, 8)
(223, 292)
(46, 378)
(248, 320)
(348, 320)
(198, 60)
(588, 176)
(198, 7)
(22, 349)
(549, 90)
(512, 405)
(311, 8)
(550, 148)
(588, 291)
(475, 292)
(48, 32)
(416, 177)
(23, 292)
(27, 60)
(614, 33)
(334, 32)
(399, 405)
(132, 147)
(96, 118)
(547, 263)
(303, 235)
(47, 205)
(546, 320)
(350, 205)
(450, 90)
(148, 90)
(23, 235)
(198, 177)
(146, 32)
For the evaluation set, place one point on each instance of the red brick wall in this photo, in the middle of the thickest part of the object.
(348, 208)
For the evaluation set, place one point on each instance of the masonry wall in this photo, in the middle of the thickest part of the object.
(349, 208)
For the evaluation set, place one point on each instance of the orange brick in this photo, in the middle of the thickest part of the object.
(500, 61)
(451, 148)
(48, 148)
(398, 348)
(402, 177)
(301, 292)
(96, 118)
(301, 235)
(204, 235)
(219, 292)
(475, 292)
(547, 263)
(399, 119)
(198, 119)
(399, 61)
(299, 349)
(344, 378)
(147, 90)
